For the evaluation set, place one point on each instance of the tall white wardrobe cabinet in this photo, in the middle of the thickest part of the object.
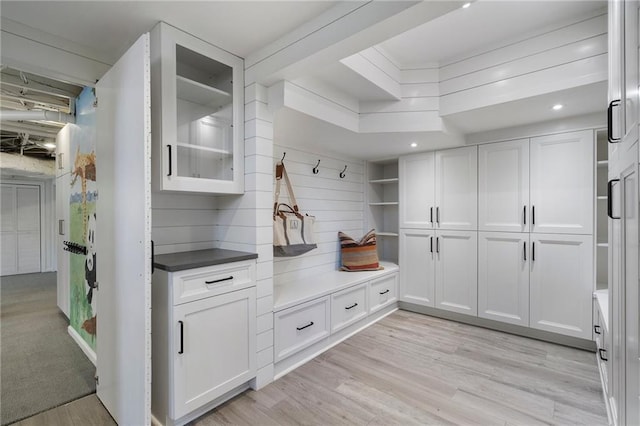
(438, 223)
(502, 231)
(622, 385)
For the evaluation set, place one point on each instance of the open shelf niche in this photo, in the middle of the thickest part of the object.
(381, 206)
(601, 222)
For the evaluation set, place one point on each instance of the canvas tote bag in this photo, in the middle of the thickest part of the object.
(292, 231)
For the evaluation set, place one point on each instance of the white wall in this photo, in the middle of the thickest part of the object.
(337, 204)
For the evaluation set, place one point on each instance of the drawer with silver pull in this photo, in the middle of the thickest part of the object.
(194, 284)
(348, 306)
(300, 326)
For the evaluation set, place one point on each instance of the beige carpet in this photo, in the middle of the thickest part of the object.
(41, 367)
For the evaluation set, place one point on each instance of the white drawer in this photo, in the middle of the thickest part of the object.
(194, 284)
(348, 306)
(383, 292)
(300, 326)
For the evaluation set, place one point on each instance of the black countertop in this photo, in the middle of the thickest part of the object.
(173, 262)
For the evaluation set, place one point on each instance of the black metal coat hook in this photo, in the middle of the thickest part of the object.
(315, 169)
(284, 154)
(342, 174)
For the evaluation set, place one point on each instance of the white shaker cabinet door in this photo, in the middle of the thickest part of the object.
(456, 271)
(417, 199)
(214, 346)
(503, 186)
(562, 183)
(503, 277)
(417, 257)
(457, 188)
(562, 284)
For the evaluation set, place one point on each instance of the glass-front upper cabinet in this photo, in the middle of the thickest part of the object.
(197, 95)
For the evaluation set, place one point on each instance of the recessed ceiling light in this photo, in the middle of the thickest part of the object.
(557, 107)
(466, 5)
(413, 145)
(49, 145)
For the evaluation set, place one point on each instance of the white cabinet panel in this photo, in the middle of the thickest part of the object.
(457, 188)
(417, 266)
(62, 256)
(562, 284)
(456, 286)
(348, 306)
(301, 326)
(213, 348)
(503, 277)
(63, 150)
(562, 183)
(383, 292)
(503, 186)
(417, 197)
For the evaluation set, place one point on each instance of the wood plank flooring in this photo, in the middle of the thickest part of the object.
(87, 411)
(412, 369)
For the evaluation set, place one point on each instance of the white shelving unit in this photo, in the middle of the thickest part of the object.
(382, 206)
(601, 223)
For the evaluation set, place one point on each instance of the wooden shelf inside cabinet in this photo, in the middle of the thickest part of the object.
(385, 203)
(204, 148)
(201, 94)
(384, 181)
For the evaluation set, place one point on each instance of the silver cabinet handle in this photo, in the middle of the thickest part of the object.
(60, 226)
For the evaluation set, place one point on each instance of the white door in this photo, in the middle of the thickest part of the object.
(62, 235)
(20, 229)
(562, 183)
(123, 237)
(417, 198)
(503, 277)
(457, 188)
(456, 271)
(629, 282)
(562, 284)
(503, 186)
(214, 348)
(417, 268)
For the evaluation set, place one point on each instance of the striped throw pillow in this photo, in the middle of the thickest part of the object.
(359, 255)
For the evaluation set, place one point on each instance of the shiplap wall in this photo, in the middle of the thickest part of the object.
(183, 221)
(336, 203)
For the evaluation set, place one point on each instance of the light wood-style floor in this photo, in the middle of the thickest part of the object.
(414, 369)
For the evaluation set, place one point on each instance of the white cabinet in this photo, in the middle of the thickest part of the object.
(562, 284)
(417, 266)
(503, 186)
(204, 337)
(503, 277)
(301, 326)
(562, 183)
(213, 348)
(457, 188)
(348, 306)
(417, 191)
(197, 114)
(63, 150)
(62, 235)
(456, 284)
(439, 189)
(383, 292)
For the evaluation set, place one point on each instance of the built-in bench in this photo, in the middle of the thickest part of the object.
(315, 313)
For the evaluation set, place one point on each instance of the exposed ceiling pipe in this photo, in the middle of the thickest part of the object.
(59, 117)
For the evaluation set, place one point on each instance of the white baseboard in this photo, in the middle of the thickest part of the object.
(83, 345)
